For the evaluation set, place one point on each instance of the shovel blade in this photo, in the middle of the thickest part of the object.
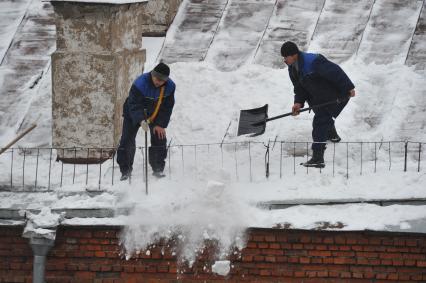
(253, 121)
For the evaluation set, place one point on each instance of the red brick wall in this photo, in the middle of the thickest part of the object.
(92, 254)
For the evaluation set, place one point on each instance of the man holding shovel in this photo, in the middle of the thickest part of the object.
(316, 80)
(148, 106)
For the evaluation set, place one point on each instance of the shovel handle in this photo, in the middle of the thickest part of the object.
(337, 101)
(17, 138)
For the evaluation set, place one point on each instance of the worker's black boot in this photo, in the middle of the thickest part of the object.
(317, 160)
(158, 174)
(332, 135)
(126, 174)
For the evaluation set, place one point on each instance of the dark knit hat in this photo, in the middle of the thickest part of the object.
(161, 71)
(289, 48)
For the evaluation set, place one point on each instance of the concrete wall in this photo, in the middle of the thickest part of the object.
(93, 254)
(158, 15)
(97, 58)
(89, 91)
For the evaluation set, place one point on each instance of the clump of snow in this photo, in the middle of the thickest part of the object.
(42, 224)
(404, 225)
(45, 219)
(221, 267)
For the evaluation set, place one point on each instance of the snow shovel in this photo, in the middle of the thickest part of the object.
(253, 121)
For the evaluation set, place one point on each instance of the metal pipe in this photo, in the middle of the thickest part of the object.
(38, 268)
(40, 247)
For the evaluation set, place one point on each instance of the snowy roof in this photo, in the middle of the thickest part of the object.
(101, 1)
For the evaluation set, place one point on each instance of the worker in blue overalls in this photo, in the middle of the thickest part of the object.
(317, 80)
(148, 106)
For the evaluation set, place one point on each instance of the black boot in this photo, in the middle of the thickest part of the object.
(158, 174)
(332, 135)
(317, 159)
(126, 174)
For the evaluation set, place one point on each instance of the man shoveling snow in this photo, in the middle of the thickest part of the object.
(316, 80)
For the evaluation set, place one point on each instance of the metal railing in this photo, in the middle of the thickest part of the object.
(36, 169)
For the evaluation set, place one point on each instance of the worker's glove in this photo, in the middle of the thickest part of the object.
(145, 125)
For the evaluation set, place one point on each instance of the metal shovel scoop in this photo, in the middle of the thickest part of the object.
(253, 121)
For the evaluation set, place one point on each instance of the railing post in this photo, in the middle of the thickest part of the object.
(11, 171)
(360, 173)
(375, 157)
(307, 157)
(23, 170)
(334, 156)
(50, 168)
(36, 173)
(249, 151)
(420, 151)
(100, 170)
(281, 160)
(267, 161)
(294, 158)
(405, 156)
(236, 161)
(113, 163)
(73, 172)
(183, 162)
(170, 158)
(87, 167)
(62, 167)
(347, 160)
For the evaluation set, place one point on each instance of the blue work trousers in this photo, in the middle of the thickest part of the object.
(127, 148)
(323, 122)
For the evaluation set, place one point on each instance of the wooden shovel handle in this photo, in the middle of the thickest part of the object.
(20, 136)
